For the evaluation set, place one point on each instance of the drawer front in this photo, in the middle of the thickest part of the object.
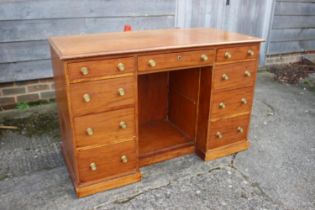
(97, 96)
(105, 128)
(174, 60)
(231, 102)
(236, 75)
(227, 131)
(106, 161)
(99, 68)
(237, 53)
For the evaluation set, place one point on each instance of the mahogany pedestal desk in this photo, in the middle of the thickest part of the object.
(131, 99)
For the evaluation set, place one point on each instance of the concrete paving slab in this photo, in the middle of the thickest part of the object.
(277, 172)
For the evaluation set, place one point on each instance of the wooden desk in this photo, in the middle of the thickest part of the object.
(132, 99)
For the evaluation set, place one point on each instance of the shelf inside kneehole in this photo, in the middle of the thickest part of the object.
(167, 113)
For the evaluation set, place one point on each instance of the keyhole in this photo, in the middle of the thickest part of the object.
(179, 57)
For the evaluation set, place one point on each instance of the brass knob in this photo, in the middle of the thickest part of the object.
(219, 135)
(93, 166)
(123, 125)
(124, 159)
(250, 53)
(87, 97)
(240, 129)
(121, 91)
(152, 63)
(221, 105)
(89, 131)
(84, 71)
(225, 77)
(227, 55)
(204, 57)
(121, 66)
(247, 74)
(243, 101)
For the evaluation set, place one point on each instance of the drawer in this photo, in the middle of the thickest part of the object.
(106, 161)
(231, 102)
(105, 128)
(237, 53)
(236, 75)
(100, 68)
(174, 60)
(97, 96)
(227, 131)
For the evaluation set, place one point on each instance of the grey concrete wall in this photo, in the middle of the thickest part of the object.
(26, 25)
(293, 27)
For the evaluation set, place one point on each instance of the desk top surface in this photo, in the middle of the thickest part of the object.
(81, 46)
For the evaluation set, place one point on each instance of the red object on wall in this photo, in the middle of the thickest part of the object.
(127, 27)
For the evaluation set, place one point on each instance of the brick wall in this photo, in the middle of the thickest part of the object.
(26, 91)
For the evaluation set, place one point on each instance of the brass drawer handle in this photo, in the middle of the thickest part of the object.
(86, 97)
(244, 101)
(84, 71)
(219, 135)
(89, 131)
(250, 53)
(179, 58)
(227, 55)
(121, 66)
(93, 166)
(204, 57)
(240, 129)
(225, 77)
(247, 74)
(123, 125)
(124, 159)
(221, 105)
(152, 63)
(121, 91)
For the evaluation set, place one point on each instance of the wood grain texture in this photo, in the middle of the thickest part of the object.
(175, 60)
(143, 41)
(228, 127)
(232, 101)
(110, 164)
(106, 128)
(237, 53)
(103, 95)
(100, 68)
(236, 75)
(152, 97)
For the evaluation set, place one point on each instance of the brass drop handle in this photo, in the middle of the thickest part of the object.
(124, 159)
(121, 66)
(86, 97)
(121, 91)
(152, 63)
(225, 77)
(123, 125)
(244, 101)
(219, 135)
(89, 131)
(227, 55)
(84, 71)
(93, 166)
(240, 129)
(247, 73)
(250, 53)
(204, 57)
(221, 105)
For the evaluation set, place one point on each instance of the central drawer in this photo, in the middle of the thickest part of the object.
(107, 161)
(105, 128)
(174, 60)
(103, 95)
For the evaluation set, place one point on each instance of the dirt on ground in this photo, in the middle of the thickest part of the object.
(302, 73)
